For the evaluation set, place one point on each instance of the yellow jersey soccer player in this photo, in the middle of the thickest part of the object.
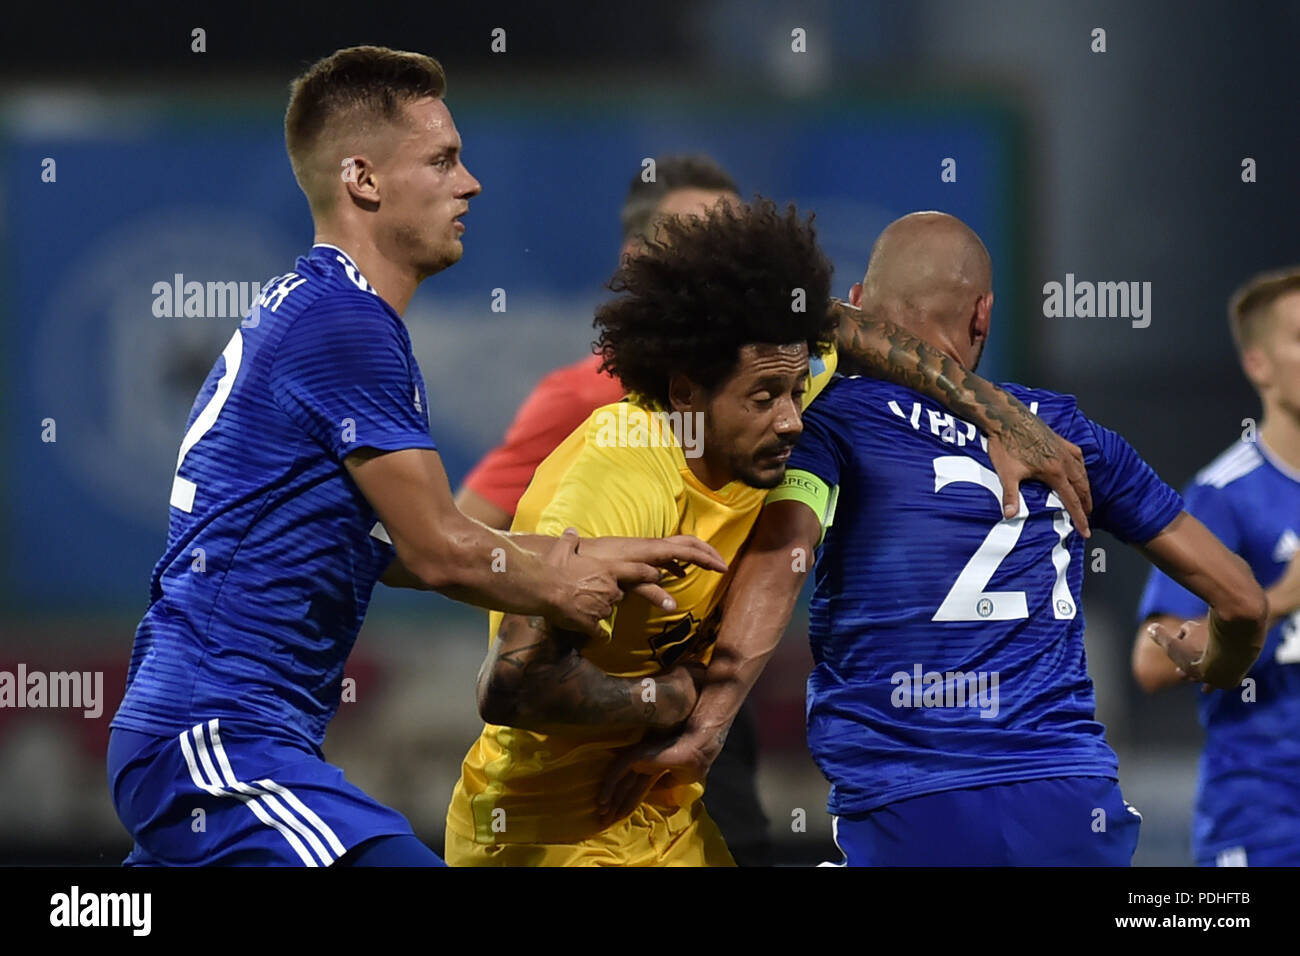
(694, 452)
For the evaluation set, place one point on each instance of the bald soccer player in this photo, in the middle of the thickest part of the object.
(950, 706)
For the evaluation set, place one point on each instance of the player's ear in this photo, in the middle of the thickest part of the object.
(360, 180)
(982, 318)
(855, 295)
(1257, 366)
(683, 394)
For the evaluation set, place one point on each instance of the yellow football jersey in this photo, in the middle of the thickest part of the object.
(622, 473)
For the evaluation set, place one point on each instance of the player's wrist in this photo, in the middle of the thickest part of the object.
(1283, 601)
(705, 735)
(675, 697)
(1227, 658)
(557, 597)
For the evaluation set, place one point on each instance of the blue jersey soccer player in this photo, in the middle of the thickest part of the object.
(949, 704)
(1248, 797)
(306, 473)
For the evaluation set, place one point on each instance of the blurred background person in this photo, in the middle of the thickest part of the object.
(564, 398)
(1249, 496)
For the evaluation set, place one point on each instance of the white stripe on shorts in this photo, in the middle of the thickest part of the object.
(205, 776)
(278, 808)
(835, 836)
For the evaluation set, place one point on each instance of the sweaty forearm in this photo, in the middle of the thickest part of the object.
(537, 680)
(479, 566)
(749, 635)
(755, 612)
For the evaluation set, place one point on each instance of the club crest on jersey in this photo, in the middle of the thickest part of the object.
(685, 638)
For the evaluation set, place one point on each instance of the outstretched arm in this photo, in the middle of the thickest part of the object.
(442, 550)
(473, 505)
(439, 549)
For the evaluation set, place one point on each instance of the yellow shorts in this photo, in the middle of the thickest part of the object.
(649, 837)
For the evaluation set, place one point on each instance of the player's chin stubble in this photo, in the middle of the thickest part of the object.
(751, 474)
(429, 257)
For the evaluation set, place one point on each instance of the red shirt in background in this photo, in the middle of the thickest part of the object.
(559, 403)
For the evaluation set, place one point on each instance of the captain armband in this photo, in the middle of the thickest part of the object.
(804, 486)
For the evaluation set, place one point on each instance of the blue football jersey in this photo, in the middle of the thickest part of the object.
(272, 551)
(948, 641)
(1248, 797)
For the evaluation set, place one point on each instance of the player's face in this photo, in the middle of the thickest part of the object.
(1281, 358)
(693, 202)
(426, 188)
(752, 420)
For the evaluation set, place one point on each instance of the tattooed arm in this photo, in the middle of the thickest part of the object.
(1021, 447)
(755, 611)
(536, 678)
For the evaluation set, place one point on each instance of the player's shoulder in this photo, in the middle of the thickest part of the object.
(333, 287)
(854, 407)
(567, 376)
(335, 303)
(1044, 402)
(620, 449)
(1060, 412)
(321, 302)
(1239, 460)
(846, 391)
(636, 438)
(340, 321)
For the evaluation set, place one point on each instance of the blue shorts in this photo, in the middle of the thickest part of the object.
(224, 795)
(1060, 821)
